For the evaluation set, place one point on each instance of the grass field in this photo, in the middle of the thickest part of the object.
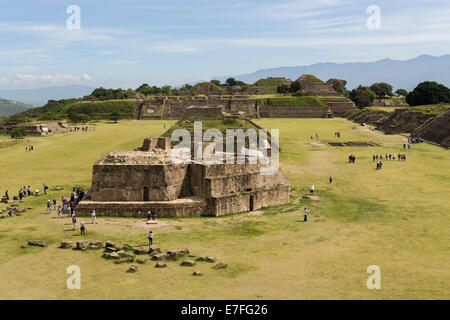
(396, 218)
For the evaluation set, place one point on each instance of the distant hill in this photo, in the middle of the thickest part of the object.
(405, 74)
(40, 96)
(10, 107)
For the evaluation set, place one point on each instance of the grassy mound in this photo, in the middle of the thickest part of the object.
(289, 101)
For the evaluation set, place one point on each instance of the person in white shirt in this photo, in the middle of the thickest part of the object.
(93, 217)
(311, 189)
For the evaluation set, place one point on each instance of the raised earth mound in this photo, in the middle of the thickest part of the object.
(436, 130)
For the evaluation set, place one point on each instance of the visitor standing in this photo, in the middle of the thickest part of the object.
(305, 214)
(49, 206)
(93, 217)
(331, 179)
(82, 228)
(311, 189)
(74, 221)
(150, 239)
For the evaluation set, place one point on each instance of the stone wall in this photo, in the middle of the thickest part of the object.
(293, 112)
(128, 182)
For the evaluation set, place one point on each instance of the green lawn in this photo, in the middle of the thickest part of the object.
(396, 218)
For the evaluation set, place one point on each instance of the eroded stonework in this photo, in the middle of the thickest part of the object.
(130, 183)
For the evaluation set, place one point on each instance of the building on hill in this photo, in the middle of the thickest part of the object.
(319, 101)
(131, 183)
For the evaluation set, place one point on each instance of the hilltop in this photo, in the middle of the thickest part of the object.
(10, 107)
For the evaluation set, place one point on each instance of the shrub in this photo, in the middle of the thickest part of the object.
(18, 133)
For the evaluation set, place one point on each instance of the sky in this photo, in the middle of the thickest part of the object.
(124, 43)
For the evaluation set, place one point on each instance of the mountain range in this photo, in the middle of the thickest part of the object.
(405, 74)
(40, 96)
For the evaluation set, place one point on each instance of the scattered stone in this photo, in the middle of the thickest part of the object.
(36, 243)
(188, 263)
(110, 244)
(160, 265)
(114, 255)
(126, 247)
(158, 256)
(154, 249)
(139, 250)
(210, 259)
(93, 247)
(14, 205)
(96, 244)
(220, 265)
(30, 208)
(122, 260)
(184, 251)
(65, 244)
(82, 245)
(133, 268)
(124, 254)
(197, 273)
(202, 258)
(106, 255)
(141, 260)
(24, 246)
(110, 249)
(172, 254)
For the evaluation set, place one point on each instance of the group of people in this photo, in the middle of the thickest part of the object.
(29, 148)
(27, 191)
(317, 137)
(351, 158)
(83, 129)
(389, 156)
(338, 134)
(415, 140)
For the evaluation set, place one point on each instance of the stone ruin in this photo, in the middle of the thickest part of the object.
(180, 107)
(130, 183)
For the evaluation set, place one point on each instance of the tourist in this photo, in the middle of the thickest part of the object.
(150, 239)
(373, 158)
(29, 190)
(59, 211)
(404, 146)
(20, 194)
(6, 195)
(45, 188)
(393, 156)
(305, 214)
(311, 189)
(37, 192)
(74, 221)
(149, 215)
(153, 216)
(331, 179)
(54, 204)
(49, 206)
(82, 228)
(93, 217)
(409, 146)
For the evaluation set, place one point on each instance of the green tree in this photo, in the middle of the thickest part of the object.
(401, 92)
(115, 115)
(231, 82)
(337, 84)
(362, 96)
(283, 89)
(382, 89)
(216, 82)
(428, 93)
(18, 133)
(295, 86)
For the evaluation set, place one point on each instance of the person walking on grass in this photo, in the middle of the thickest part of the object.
(49, 206)
(45, 188)
(150, 239)
(331, 179)
(93, 217)
(311, 189)
(59, 211)
(82, 228)
(74, 221)
(305, 213)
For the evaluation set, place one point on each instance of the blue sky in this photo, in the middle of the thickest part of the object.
(128, 42)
